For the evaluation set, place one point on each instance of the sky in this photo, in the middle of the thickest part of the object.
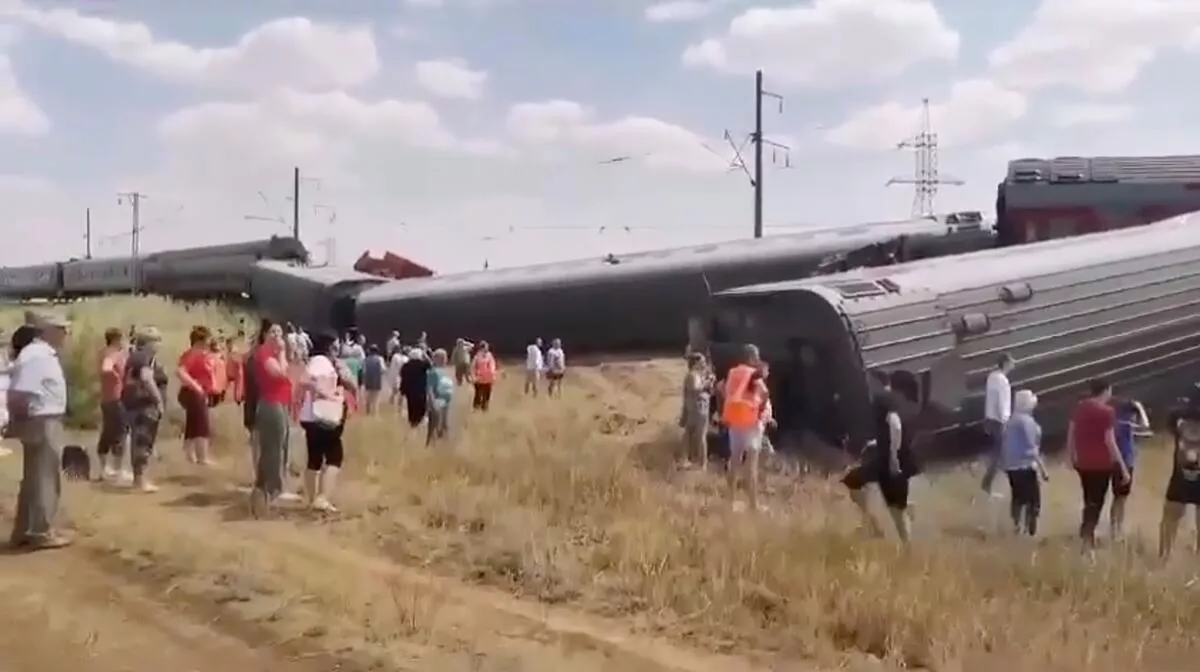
(459, 132)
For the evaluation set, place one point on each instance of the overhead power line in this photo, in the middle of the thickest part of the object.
(926, 178)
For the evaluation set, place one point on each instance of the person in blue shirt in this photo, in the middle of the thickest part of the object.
(1131, 420)
(1021, 459)
(439, 387)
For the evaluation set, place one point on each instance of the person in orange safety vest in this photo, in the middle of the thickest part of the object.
(744, 396)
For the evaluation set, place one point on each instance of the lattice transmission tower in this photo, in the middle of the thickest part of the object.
(926, 178)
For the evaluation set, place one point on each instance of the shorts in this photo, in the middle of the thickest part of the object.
(742, 442)
(1182, 491)
(893, 487)
(555, 375)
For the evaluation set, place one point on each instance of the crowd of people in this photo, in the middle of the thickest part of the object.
(284, 378)
(1101, 446)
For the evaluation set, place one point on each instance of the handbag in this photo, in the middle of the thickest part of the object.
(328, 412)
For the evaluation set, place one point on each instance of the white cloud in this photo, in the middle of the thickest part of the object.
(19, 114)
(830, 42)
(678, 11)
(1078, 114)
(1096, 46)
(424, 3)
(290, 52)
(451, 78)
(974, 110)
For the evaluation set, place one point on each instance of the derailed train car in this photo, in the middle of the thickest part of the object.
(640, 303)
(315, 298)
(1124, 305)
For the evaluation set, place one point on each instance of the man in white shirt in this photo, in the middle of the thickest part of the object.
(997, 408)
(37, 402)
(535, 364)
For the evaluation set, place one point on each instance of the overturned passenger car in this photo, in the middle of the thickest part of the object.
(1124, 305)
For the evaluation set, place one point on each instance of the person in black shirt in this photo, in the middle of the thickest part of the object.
(888, 460)
(1183, 489)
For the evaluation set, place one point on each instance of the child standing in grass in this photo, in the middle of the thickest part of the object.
(1021, 459)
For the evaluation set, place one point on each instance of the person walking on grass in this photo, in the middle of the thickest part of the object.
(396, 361)
(323, 415)
(1131, 420)
(372, 379)
(143, 402)
(110, 447)
(1092, 448)
(556, 368)
(414, 386)
(483, 376)
(272, 421)
(460, 357)
(37, 402)
(195, 384)
(997, 407)
(1183, 488)
(440, 390)
(741, 413)
(535, 365)
(889, 460)
(696, 414)
(1021, 460)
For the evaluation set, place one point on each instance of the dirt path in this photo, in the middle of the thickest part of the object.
(175, 578)
(63, 612)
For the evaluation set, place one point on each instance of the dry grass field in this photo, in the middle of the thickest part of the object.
(555, 535)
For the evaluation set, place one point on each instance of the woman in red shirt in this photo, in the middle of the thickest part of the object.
(272, 420)
(1092, 446)
(195, 385)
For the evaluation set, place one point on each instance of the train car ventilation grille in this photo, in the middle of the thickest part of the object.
(1017, 292)
(972, 324)
(858, 290)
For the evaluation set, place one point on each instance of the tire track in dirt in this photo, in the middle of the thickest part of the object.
(63, 612)
(460, 626)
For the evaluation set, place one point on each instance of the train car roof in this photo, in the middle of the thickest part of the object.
(277, 244)
(1105, 169)
(328, 276)
(994, 267)
(581, 271)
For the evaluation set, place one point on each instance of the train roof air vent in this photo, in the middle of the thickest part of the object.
(1016, 292)
(858, 290)
(1027, 175)
(972, 324)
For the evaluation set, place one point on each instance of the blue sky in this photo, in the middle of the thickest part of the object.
(466, 130)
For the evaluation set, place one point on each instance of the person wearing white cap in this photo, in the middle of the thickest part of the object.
(37, 401)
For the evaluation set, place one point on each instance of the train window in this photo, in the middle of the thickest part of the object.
(1016, 292)
(858, 290)
(888, 285)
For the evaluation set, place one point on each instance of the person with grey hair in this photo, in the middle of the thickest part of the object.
(144, 401)
(440, 390)
(37, 402)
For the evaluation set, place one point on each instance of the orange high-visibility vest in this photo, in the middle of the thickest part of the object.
(741, 404)
(483, 368)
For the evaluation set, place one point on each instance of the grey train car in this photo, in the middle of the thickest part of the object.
(94, 277)
(198, 278)
(279, 248)
(314, 298)
(30, 282)
(639, 303)
(1124, 305)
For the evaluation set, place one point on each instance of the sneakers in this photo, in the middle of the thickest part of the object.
(290, 497)
(144, 485)
(323, 505)
(48, 542)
